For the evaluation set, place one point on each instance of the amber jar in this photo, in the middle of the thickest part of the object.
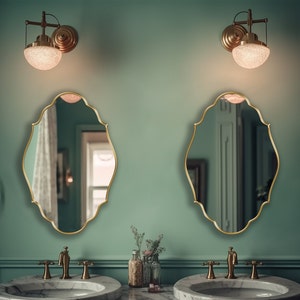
(135, 270)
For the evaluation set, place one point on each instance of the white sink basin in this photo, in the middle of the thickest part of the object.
(197, 287)
(34, 287)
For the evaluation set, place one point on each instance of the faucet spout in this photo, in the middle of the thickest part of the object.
(64, 261)
(232, 260)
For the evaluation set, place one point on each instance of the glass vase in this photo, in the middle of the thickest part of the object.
(155, 271)
(146, 271)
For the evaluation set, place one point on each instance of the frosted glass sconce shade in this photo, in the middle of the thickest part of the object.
(251, 53)
(45, 53)
(42, 55)
(250, 56)
(247, 51)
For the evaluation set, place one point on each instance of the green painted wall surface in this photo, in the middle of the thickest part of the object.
(150, 68)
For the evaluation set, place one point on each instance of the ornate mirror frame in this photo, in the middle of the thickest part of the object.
(196, 168)
(69, 97)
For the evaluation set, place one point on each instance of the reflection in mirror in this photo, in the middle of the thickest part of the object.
(69, 163)
(231, 163)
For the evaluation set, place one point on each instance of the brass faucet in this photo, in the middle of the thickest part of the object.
(46, 264)
(85, 273)
(64, 261)
(232, 260)
(210, 273)
(254, 263)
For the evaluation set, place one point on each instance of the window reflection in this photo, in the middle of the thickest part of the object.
(98, 168)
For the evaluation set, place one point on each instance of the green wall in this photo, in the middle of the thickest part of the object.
(150, 68)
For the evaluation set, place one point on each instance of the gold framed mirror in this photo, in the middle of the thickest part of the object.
(231, 163)
(69, 163)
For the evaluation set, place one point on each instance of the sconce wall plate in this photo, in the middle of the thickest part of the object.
(65, 38)
(232, 36)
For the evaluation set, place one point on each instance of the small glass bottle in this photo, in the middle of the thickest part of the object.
(146, 271)
(155, 271)
(135, 270)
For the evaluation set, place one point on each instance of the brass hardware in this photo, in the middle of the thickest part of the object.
(85, 273)
(64, 261)
(254, 263)
(232, 36)
(46, 264)
(232, 260)
(210, 273)
(65, 38)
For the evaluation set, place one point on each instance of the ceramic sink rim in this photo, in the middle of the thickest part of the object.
(97, 287)
(190, 287)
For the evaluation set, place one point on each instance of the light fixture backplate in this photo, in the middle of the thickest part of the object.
(65, 38)
(232, 36)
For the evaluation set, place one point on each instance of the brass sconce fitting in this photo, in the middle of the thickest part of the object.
(45, 53)
(247, 50)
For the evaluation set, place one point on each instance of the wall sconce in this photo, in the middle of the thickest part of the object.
(247, 50)
(45, 53)
(69, 177)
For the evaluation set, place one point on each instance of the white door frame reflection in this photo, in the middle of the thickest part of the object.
(97, 165)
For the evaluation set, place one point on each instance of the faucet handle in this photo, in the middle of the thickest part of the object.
(85, 273)
(254, 263)
(46, 264)
(210, 264)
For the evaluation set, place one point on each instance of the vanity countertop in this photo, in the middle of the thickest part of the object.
(143, 294)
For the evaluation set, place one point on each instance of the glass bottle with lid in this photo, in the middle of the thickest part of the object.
(135, 270)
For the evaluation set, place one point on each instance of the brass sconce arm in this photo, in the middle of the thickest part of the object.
(249, 20)
(43, 23)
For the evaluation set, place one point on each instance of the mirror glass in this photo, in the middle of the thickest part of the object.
(69, 163)
(231, 163)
